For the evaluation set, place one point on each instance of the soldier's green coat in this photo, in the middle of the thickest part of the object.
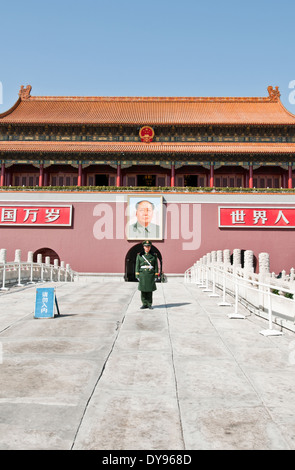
(146, 273)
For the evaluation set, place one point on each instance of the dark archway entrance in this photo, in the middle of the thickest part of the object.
(46, 252)
(130, 261)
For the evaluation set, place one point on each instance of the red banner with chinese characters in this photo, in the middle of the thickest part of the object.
(257, 217)
(35, 215)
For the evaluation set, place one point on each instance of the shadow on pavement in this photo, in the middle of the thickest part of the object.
(180, 304)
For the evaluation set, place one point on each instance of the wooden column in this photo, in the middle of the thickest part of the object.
(118, 181)
(211, 182)
(245, 181)
(290, 176)
(172, 183)
(8, 177)
(2, 179)
(45, 177)
(41, 175)
(80, 174)
(250, 175)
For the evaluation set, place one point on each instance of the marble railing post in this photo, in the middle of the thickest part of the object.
(237, 258)
(17, 256)
(3, 253)
(219, 257)
(248, 261)
(264, 263)
(226, 257)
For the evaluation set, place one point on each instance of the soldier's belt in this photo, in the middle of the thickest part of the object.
(146, 267)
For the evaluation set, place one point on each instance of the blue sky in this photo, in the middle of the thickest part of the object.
(154, 48)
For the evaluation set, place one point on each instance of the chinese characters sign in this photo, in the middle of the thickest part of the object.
(36, 215)
(46, 303)
(257, 217)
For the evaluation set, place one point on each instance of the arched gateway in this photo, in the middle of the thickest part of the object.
(130, 261)
(45, 252)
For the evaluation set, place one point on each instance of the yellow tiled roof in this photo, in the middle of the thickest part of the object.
(154, 111)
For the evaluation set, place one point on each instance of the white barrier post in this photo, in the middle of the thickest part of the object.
(198, 273)
(47, 268)
(270, 331)
(30, 260)
(224, 303)
(40, 262)
(17, 259)
(208, 266)
(213, 259)
(194, 274)
(202, 275)
(236, 314)
(201, 284)
(3, 260)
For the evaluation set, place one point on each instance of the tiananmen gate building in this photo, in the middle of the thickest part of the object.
(146, 142)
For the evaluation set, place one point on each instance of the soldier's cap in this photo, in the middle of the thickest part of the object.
(147, 243)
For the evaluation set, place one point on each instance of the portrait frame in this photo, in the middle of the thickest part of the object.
(137, 231)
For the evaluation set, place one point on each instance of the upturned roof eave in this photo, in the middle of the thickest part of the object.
(10, 110)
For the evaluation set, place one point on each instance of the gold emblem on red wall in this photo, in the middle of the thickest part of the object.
(146, 134)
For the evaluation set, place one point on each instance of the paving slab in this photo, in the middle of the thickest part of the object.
(105, 375)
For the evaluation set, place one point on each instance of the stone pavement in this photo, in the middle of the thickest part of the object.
(107, 375)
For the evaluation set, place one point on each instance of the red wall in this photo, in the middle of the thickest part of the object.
(190, 232)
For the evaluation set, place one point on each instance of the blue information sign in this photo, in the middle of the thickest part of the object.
(45, 302)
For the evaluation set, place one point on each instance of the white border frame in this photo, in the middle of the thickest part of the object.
(258, 206)
(3, 224)
(157, 201)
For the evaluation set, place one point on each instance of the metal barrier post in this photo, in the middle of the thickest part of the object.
(19, 275)
(201, 284)
(261, 291)
(270, 331)
(207, 280)
(198, 271)
(213, 282)
(31, 277)
(4, 278)
(224, 303)
(236, 314)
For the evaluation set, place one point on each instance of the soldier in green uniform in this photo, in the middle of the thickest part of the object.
(146, 271)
